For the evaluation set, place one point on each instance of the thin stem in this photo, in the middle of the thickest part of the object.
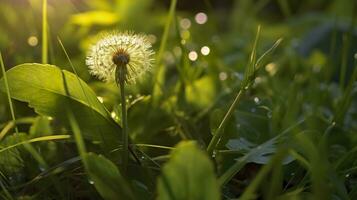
(8, 93)
(44, 33)
(125, 137)
(218, 133)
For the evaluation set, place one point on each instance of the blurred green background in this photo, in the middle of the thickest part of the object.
(310, 77)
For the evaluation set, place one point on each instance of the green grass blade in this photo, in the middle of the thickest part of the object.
(74, 70)
(8, 93)
(249, 77)
(77, 135)
(347, 97)
(236, 167)
(154, 146)
(284, 6)
(346, 46)
(250, 190)
(38, 139)
(332, 51)
(159, 72)
(6, 129)
(80, 83)
(7, 194)
(165, 34)
(44, 33)
(343, 69)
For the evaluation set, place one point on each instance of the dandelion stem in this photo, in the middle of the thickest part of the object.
(125, 138)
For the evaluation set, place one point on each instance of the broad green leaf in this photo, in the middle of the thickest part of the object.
(260, 154)
(51, 91)
(189, 174)
(106, 178)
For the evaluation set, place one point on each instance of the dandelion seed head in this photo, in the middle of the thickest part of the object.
(133, 51)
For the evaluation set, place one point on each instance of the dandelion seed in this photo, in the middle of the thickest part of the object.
(127, 50)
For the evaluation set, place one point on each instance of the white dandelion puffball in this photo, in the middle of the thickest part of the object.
(120, 49)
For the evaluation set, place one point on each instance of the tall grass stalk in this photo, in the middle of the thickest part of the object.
(38, 139)
(77, 135)
(44, 33)
(347, 40)
(249, 192)
(8, 93)
(249, 72)
(159, 72)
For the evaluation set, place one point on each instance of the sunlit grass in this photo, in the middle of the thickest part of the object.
(246, 100)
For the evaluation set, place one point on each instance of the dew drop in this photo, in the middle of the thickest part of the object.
(256, 100)
(269, 114)
(113, 114)
(214, 154)
(91, 182)
(238, 75)
(42, 169)
(101, 100)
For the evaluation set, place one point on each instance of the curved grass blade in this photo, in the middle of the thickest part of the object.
(8, 93)
(38, 139)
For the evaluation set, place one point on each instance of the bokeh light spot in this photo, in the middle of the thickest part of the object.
(185, 23)
(205, 50)
(152, 38)
(193, 55)
(271, 68)
(32, 41)
(185, 34)
(201, 18)
(223, 76)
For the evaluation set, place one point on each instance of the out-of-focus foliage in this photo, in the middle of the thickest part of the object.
(293, 134)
